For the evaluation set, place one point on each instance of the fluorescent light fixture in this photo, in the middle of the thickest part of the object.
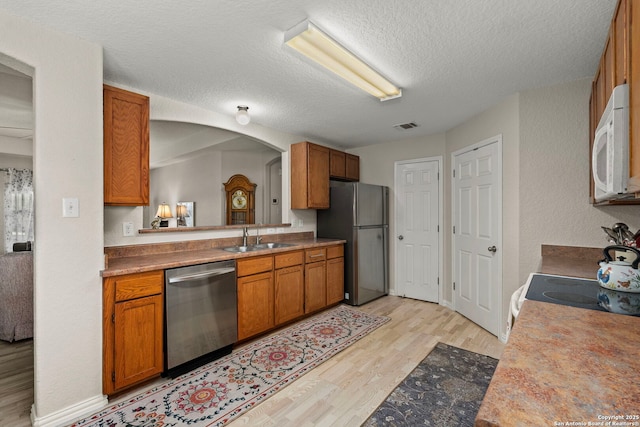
(311, 42)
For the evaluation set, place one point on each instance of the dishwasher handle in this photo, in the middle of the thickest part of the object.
(202, 275)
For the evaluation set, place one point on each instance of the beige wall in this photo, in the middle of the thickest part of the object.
(502, 119)
(545, 177)
(554, 176)
(68, 252)
(377, 167)
(201, 180)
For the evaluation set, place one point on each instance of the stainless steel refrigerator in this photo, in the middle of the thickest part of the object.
(359, 215)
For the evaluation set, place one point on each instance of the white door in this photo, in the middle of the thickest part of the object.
(417, 213)
(477, 239)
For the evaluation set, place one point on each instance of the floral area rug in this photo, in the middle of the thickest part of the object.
(445, 389)
(221, 390)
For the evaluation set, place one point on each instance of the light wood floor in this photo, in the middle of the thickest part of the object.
(343, 391)
(16, 383)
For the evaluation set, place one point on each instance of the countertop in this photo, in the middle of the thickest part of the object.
(571, 261)
(566, 365)
(117, 266)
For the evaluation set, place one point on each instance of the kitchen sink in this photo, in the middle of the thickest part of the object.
(258, 247)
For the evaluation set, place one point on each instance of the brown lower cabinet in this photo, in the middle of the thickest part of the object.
(132, 329)
(255, 304)
(276, 289)
(255, 296)
(315, 286)
(335, 274)
(272, 290)
(289, 286)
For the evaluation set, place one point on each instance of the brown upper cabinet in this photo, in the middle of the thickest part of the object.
(619, 64)
(338, 164)
(126, 148)
(353, 167)
(344, 166)
(312, 166)
(309, 176)
(632, 40)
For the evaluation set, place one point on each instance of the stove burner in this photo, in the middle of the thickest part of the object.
(564, 296)
(564, 281)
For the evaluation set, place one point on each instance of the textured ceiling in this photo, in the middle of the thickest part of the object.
(452, 58)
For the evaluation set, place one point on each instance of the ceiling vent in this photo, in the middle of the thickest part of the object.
(406, 126)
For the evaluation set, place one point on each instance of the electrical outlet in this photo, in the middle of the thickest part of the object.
(127, 229)
(300, 223)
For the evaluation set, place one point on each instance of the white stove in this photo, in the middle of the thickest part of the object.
(574, 292)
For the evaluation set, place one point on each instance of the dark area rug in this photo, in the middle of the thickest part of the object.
(445, 389)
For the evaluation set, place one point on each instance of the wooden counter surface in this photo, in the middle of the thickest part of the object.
(180, 258)
(565, 365)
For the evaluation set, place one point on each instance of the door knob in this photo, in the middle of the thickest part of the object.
(492, 249)
(400, 237)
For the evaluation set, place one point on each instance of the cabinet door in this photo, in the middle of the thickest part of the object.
(598, 91)
(255, 304)
(318, 183)
(633, 25)
(335, 280)
(608, 67)
(126, 148)
(289, 300)
(315, 286)
(337, 164)
(138, 340)
(309, 176)
(621, 45)
(352, 172)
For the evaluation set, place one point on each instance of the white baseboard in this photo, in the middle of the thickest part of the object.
(70, 413)
(447, 304)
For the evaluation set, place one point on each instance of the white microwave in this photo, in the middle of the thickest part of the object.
(610, 155)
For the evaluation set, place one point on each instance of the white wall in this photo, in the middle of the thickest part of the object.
(196, 180)
(554, 175)
(201, 180)
(377, 167)
(68, 253)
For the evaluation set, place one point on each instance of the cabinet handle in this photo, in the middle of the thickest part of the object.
(316, 255)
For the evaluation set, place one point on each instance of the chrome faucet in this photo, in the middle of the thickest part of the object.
(245, 234)
(258, 236)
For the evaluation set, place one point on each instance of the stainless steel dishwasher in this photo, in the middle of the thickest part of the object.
(200, 315)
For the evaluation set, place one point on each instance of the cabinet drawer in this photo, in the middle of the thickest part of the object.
(315, 255)
(256, 265)
(335, 251)
(288, 259)
(139, 285)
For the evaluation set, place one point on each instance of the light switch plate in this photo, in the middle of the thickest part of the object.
(70, 208)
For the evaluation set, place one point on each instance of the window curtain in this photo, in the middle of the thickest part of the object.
(18, 208)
